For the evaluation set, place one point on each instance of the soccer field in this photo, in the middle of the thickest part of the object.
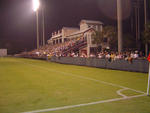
(35, 86)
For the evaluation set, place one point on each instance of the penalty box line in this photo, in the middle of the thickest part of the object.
(87, 78)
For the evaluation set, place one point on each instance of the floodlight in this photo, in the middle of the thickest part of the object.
(36, 4)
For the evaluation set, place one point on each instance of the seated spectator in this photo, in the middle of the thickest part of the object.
(108, 57)
(100, 55)
(136, 55)
(76, 55)
(132, 55)
(112, 56)
(130, 59)
(37, 53)
(72, 54)
(83, 55)
(92, 55)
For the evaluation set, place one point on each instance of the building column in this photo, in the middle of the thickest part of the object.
(62, 40)
(88, 45)
(88, 51)
(58, 41)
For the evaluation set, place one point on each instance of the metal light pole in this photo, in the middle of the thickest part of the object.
(43, 23)
(37, 27)
(36, 5)
(119, 17)
(145, 14)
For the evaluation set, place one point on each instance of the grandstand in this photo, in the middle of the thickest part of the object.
(78, 42)
(87, 28)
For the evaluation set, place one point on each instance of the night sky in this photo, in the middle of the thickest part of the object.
(18, 21)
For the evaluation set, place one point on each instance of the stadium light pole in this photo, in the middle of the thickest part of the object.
(119, 21)
(36, 5)
(145, 14)
(43, 23)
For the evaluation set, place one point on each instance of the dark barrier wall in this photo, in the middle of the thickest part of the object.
(138, 65)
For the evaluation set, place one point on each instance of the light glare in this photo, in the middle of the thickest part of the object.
(36, 4)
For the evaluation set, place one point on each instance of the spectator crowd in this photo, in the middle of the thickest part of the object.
(71, 49)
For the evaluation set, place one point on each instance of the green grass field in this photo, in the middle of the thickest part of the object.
(37, 86)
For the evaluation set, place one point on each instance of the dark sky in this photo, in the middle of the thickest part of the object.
(18, 21)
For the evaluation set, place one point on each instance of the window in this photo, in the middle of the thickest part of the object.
(65, 39)
(53, 41)
(60, 41)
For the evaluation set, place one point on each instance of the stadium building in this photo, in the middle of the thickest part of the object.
(87, 28)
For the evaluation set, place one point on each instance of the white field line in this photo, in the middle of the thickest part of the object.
(119, 93)
(83, 77)
(124, 97)
(85, 104)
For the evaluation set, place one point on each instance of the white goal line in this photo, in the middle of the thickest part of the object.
(85, 104)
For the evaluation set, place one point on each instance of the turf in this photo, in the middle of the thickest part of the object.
(28, 85)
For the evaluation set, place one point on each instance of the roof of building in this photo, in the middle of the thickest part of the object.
(91, 22)
(79, 32)
(70, 28)
(57, 35)
(76, 33)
